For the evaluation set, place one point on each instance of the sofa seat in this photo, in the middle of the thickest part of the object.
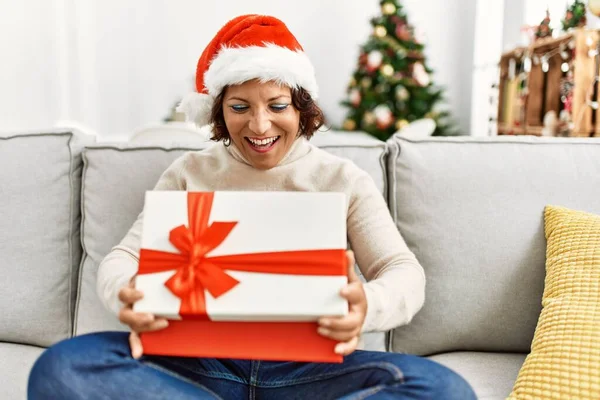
(492, 375)
(16, 361)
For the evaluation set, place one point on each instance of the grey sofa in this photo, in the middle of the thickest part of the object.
(471, 210)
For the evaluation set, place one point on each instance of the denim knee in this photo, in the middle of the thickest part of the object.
(452, 386)
(49, 371)
(59, 366)
(434, 380)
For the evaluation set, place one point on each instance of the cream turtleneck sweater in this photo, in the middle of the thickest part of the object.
(395, 287)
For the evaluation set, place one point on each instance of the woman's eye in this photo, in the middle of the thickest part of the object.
(279, 107)
(239, 108)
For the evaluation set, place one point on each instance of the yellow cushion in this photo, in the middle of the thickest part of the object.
(564, 362)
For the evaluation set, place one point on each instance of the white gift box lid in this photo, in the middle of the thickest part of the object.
(266, 222)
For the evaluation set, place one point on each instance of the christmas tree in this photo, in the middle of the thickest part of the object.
(543, 29)
(574, 16)
(391, 86)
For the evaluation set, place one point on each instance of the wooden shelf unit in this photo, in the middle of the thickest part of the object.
(527, 96)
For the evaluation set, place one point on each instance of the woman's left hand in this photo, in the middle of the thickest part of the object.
(347, 329)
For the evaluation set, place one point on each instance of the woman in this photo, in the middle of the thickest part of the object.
(257, 87)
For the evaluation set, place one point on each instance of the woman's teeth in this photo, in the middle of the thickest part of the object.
(263, 142)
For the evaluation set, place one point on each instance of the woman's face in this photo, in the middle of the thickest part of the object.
(261, 120)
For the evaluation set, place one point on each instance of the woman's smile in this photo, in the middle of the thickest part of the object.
(262, 145)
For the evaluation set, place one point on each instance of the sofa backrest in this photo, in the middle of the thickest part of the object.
(39, 238)
(472, 211)
(115, 177)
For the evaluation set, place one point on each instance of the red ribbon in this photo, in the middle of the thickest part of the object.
(195, 272)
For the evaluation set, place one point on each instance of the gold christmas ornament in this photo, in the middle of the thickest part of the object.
(352, 82)
(402, 93)
(388, 9)
(349, 125)
(594, 7)
(382, 88)
(369, 118)
(401, 123)
(366, 82)
(387, 70)
(380, 31)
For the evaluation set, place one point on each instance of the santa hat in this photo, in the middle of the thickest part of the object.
(248, 47)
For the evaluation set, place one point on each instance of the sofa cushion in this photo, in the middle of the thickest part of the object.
(39, 241)
(472, 211)
(368, 153)
(491, 375)
(115, 178)
(16, 361)
(565, 353)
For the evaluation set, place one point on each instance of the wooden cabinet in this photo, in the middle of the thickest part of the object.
(553, 74)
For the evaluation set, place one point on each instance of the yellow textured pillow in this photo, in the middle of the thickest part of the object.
(564, 362)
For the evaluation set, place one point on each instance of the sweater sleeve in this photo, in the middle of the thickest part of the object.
(121, 264)
(395, 287)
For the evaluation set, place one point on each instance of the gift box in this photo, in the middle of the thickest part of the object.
(243, 274)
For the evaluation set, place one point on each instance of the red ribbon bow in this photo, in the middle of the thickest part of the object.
(195, 272)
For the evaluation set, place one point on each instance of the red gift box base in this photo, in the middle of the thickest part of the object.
(272, 341)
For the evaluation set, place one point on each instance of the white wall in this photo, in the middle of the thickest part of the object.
(514, 19)
(114, 65)
(488, 47)
(449, 28)
(28, 65)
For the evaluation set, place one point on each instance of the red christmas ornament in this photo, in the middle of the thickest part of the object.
(374, 61)
(384, 116)
(355, 97)
(362, 59)
(403, 33)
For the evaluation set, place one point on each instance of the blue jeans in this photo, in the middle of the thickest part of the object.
(100, 366)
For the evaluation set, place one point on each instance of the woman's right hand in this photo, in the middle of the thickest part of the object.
(138, 322)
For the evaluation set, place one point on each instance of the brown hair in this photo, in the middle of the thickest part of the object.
(311, 116)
